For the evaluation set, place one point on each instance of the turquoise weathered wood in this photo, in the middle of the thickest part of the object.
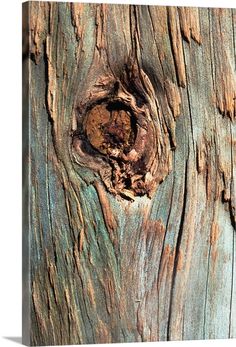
(104, 260)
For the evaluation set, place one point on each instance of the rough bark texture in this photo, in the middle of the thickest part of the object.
(131, 180)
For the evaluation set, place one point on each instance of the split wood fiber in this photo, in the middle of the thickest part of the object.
(129, 154)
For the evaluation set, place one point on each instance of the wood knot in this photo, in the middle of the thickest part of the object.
(122, 135)
(110, 129)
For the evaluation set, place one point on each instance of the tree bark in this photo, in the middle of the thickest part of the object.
(130, 234)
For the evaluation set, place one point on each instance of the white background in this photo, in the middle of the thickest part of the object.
(10, 169)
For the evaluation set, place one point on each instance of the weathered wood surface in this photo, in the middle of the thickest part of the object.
(111, 261)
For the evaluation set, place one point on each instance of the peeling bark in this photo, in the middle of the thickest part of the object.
(131, 160)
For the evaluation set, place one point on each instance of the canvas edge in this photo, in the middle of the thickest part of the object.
(26, 322)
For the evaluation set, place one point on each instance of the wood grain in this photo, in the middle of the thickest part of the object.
(104, 263)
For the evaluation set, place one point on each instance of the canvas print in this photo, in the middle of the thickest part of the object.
(129, 159)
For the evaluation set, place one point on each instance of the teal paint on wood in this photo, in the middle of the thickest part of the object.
(106, 267)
